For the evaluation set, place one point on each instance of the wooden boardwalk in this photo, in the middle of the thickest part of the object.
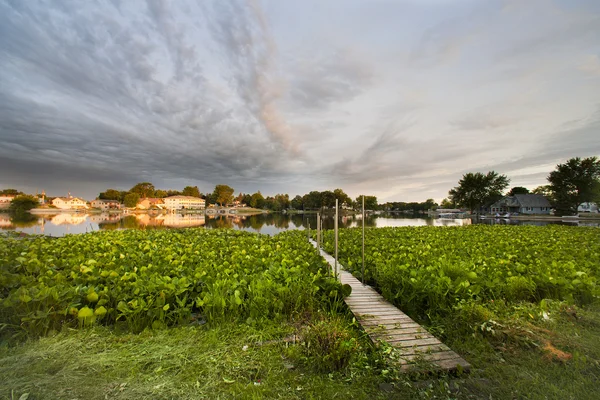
(384, 322)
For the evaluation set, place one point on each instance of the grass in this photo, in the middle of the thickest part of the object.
(196, 362)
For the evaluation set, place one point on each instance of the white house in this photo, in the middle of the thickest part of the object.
(106, 204)
(70, 203)
(522, 203)
(588, 208)
(5, 200)
(184, 203)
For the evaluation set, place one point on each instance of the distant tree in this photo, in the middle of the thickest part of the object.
(281, 202)
(223, 194)
(110, 194)
(173, 193)
(574, 182)
(342, 197)
(328, 199)
(191, 191)
(246, 199)
(161, 194)
(429, 204)
(370, 203)
(143, 189)
(23, 203)
(297, 203)
(476, 190)
(312, 200)
(131, 200)
(517, 190)
(10, 192)
(257, 200)
(447, 204)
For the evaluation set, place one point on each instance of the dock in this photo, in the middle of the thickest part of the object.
(384, 322)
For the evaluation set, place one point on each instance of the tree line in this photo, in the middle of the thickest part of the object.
(575, 182)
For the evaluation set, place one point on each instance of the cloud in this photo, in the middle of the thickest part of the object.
(591, 65)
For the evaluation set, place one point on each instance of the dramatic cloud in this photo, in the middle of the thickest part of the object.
(398, 99)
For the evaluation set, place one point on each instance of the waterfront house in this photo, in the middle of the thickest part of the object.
(106, 204)
(5, 200)
(184, 203)
(522, 204)
(70, 203)
(148, 203)
(588, 207)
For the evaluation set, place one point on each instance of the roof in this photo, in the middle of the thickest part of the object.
(153, 200)
(68, 198)
(532, 200)
(185, 197)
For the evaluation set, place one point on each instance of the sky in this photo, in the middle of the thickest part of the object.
(393, 98)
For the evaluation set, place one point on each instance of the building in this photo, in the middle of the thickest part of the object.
(70, 203)
(522, 204)
(148, 203)
(184, 203)
(588, 208)
(5, 200)
(106, 204)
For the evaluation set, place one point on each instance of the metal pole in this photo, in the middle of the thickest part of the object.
(363, 239)
(336, 238)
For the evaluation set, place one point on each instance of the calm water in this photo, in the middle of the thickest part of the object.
(64, 223)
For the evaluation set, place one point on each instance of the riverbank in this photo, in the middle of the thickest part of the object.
(549, 218)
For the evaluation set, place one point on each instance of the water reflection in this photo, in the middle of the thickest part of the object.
(66, 223)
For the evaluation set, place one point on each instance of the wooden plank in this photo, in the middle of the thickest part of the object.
(383, 322)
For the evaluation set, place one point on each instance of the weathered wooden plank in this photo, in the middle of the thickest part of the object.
(383, 322)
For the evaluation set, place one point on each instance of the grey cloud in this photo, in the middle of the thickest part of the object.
(337, 77)
(88, 97)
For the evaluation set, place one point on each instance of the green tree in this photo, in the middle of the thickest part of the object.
(447, 204)
(191, 191)
(23, 203)
(257, 200)
(173, 193)
(574, 182)
(131, 200)
(517, 190)
(110, 194)
(429, 204)
(312, 200)
(161, 194)
(342, 197)
(297, 203)
(10, 192)
(370, 203)
(476, 190)
(223, 194)
(328, 199)
(143, 189)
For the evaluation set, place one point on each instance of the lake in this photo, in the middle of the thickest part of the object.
(64, 223)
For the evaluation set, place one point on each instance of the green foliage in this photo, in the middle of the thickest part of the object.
(517, 190)
(574, 182)
(23, 203)
(223, 194)
(428, 271)
(111, 194)
(154, 278)
(13, 192)
(131, 199)
(191, 191)
(257, 200)
(476, 190)
(329, 345)
(370, 202)
(143, 189)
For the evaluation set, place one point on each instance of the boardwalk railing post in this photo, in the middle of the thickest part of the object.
(363, 240)
(336, 238)
(318, 230)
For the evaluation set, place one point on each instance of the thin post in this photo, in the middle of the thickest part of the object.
(318, 230)
(363, 239)
(336, 238)
(308, 229)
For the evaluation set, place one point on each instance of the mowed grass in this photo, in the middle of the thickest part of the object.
(196, 362)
